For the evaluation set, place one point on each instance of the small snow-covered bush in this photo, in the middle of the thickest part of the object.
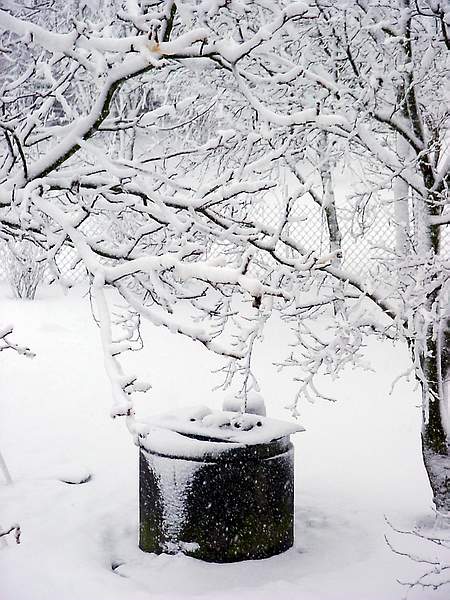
(24, 269)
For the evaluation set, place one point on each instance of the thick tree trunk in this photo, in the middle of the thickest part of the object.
(435, 448)
(435, 365)
(444, 351)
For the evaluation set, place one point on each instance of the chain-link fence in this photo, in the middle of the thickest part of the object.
(368, 238)
(67, 265)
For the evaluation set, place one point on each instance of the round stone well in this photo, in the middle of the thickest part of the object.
(218, 486)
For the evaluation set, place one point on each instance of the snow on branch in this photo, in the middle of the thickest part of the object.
(426, 546)
(14, 529)
(153, 144)
(6, 342)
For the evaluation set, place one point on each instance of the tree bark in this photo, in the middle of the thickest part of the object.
(330, 213)
(435, 364)
(435, 449)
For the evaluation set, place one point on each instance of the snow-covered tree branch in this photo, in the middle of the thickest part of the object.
(147, 137)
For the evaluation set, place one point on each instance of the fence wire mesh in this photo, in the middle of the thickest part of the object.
(368, 238)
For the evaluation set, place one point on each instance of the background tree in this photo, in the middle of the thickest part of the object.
(372, 76)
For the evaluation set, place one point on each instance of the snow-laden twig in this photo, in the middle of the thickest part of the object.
(7, 344)
(15, 529)
(436, 543)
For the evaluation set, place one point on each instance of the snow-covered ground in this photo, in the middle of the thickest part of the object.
(358, 462)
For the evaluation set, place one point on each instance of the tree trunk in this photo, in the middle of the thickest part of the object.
(330, 213)
(434, 437)
(435, 364)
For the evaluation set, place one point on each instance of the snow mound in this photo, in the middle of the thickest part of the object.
(199, 431)
(72, 473)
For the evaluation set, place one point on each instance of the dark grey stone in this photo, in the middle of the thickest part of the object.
(235, 506)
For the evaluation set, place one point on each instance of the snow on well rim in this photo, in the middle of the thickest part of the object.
(198, 431)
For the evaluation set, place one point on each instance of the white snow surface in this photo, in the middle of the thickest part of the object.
(223, 426)
(171, 443)
(358, 461)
